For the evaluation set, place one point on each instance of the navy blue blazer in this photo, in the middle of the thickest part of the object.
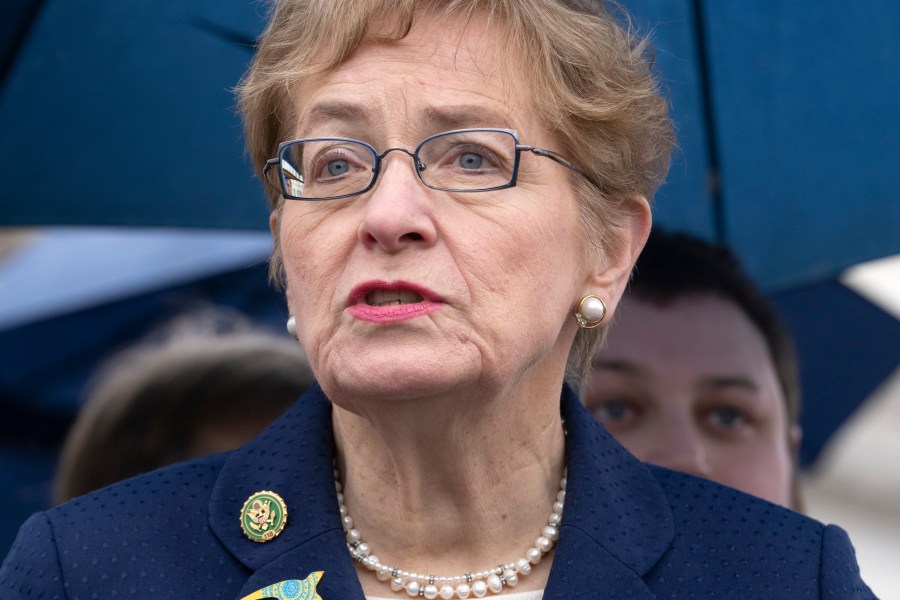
(629, 530)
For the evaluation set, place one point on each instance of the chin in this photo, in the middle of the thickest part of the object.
(397, 375)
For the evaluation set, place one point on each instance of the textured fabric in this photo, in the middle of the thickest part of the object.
(629, 530)
(537, 595)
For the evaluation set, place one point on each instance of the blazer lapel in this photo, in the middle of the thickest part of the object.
(292, 458)
(616, 523)
(616, 520)
(326, 553)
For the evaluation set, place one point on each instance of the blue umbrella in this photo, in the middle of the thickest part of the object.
(121, 113)
(847, 347)
(786, 116)
(117, 113)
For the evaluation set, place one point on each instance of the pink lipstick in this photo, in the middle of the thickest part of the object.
(387, 302)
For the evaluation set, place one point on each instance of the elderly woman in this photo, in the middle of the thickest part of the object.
(461, 190)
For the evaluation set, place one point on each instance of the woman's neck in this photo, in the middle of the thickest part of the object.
(452, 485)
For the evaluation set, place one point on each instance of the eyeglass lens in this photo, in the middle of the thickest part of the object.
(459, 161)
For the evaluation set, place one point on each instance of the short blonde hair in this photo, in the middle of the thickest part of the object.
(591, 83)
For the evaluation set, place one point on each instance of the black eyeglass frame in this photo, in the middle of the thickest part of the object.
(419, 166)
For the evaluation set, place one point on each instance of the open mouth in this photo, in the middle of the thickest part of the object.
(379, 301)
(392, 297)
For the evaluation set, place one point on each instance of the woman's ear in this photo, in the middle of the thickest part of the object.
(274, 219)
(615, 264)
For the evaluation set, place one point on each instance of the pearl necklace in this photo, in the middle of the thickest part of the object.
(474, 583)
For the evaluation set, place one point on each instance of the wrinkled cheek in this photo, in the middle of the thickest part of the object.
(309, 293)
(296, 303)
(297, 278)
(298, 246)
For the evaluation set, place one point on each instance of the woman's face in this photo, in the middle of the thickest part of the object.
(405, 291)
(690, 385)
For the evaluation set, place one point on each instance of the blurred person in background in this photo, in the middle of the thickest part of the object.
(205, 383)
(698, 374)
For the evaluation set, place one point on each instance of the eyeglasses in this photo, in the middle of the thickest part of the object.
(462, 160)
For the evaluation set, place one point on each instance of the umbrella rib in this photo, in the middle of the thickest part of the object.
(714, 179)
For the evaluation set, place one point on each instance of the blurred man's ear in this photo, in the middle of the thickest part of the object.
(796, 436)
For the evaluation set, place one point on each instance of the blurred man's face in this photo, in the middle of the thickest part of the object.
(691, 386)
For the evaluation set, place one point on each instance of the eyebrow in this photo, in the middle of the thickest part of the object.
(462, 116)
(349, 112)
(619, 366)
(731, 382)
(437, 119)
(716, 382)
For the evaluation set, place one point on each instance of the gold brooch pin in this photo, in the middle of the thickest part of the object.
(292, 589)
(264, 516)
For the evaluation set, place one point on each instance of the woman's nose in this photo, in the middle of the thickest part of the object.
(397, 212)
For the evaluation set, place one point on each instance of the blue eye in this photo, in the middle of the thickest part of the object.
(728, 418)
(470, 160)
(616, 412)
(337, 167)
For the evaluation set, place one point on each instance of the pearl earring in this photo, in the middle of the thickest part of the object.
(590, 313)
(292, 327)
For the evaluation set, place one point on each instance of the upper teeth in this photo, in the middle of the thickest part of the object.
(389, 297)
